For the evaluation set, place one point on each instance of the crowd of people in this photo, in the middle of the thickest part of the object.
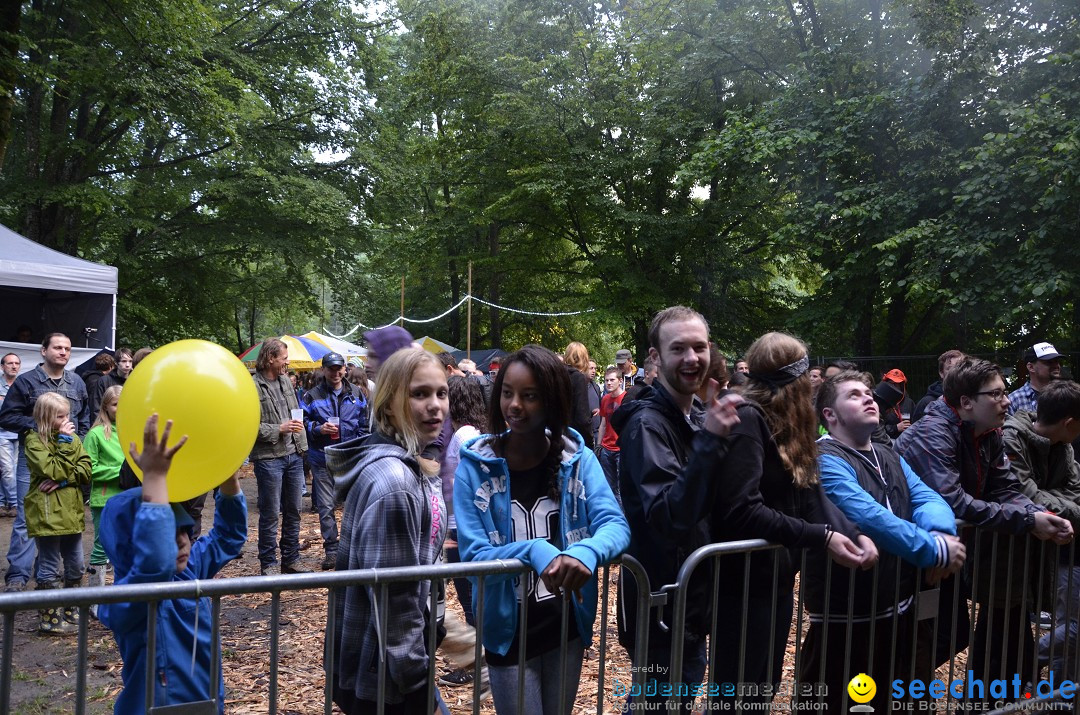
(543, 459)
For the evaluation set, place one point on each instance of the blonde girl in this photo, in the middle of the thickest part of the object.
(394, 516)
(103, 445)
(54, 505)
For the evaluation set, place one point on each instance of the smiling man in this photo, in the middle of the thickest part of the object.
(958, 450)
(1043, 363)
(670, 448)
(278, 460)
(908, 521)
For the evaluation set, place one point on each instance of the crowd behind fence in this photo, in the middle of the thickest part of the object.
(1043, 579)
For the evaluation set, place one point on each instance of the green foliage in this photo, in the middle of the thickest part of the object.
(879, 178)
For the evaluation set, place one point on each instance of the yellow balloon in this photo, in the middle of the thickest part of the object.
(210, 397)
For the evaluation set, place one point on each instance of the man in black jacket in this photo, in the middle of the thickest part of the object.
(945, 363)
(671, 445)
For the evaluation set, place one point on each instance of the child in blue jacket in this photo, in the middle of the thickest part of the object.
(148, 539)
(535, 493)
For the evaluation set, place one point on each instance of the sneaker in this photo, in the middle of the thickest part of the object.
(269, 570)
(329, 562)
(456, 677)
(294, 567)
(15, 587)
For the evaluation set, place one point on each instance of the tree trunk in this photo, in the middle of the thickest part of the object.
(455, 296)
(10, 24)
(495, 332)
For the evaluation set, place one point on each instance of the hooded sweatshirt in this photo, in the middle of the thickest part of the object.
(592, 530)
(140, 540)
(394, 516)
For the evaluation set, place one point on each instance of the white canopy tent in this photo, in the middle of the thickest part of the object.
(52, 292)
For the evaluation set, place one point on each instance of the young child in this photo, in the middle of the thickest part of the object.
(103, 445)
(54, 506)
(148, 539)
(535, 493)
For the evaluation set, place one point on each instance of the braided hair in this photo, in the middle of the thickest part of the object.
(553, 385)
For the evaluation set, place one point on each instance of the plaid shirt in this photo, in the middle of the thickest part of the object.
(1023, 399)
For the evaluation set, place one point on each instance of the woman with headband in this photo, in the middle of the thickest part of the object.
(769, 489)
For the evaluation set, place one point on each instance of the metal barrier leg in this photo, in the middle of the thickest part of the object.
(6, 662)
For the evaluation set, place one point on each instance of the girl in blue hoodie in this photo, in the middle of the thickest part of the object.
(533, 492)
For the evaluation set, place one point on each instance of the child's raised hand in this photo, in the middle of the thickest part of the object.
(156, 457)
(68, 428)
(566, 575)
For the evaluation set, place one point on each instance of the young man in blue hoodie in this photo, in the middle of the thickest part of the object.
(148, 539)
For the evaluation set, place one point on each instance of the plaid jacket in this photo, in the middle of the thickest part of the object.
(394, 516)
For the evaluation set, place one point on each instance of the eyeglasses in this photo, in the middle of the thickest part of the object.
(995, 395)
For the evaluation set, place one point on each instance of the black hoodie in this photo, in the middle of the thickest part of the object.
(667, 478)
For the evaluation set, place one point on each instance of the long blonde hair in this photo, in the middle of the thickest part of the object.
(110, 396)
(788, 409)
(47, 408)
(391, 410)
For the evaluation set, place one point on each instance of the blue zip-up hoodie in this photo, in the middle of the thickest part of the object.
(592, 528)
(140, 540)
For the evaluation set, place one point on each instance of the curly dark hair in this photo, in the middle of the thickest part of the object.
(467, 402)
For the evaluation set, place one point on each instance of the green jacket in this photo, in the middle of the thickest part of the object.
(59, 512)
(1048, 473)
(107, 456)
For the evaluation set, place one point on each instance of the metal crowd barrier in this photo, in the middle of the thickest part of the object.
(332, 582)
(1038, 576)
(1044, 578)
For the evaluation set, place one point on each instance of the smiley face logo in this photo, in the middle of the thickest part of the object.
(862, 688)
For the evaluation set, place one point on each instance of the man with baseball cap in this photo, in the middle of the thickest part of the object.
(1043, 367)
(335, 411)
(627, 369)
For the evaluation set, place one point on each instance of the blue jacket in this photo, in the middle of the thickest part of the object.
(320, 404)
(593, 530)
(140, 540)
(877, 514)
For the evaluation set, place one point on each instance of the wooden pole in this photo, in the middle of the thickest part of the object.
(468, 318)
(401, 319)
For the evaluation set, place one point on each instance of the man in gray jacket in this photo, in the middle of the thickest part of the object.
(278, 460)
(1041, 455)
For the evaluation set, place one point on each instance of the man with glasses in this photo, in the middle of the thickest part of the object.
(958, 451)
(335, 411)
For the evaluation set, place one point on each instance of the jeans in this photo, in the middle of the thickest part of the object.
(9, 493)
(609, 462)
(52, 549)
(542, 683)
(21, 550)
(280, 482)
(462, 585)
(1058, 648)
(322, 496)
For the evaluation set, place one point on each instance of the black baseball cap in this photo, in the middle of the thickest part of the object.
(333, 360)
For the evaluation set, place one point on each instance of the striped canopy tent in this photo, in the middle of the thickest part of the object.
(304, 353)
(339, 346)
(435, 346)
